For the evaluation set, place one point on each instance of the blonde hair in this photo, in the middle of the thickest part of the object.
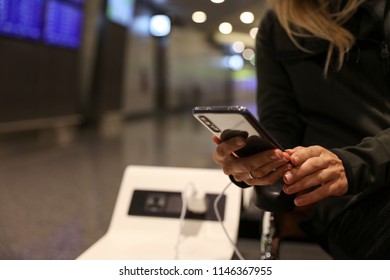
(318, 18)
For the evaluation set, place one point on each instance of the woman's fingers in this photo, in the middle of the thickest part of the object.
(312, 173)
(326, 190)
(259, 164)
(226, 148)
(263, 168)
(271, 178)
(317, 174)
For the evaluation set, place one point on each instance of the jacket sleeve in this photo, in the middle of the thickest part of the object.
(367, 164)
(278, 111)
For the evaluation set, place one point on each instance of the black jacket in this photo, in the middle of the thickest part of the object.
(348, 111)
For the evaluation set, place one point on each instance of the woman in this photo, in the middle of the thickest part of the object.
(324, 93)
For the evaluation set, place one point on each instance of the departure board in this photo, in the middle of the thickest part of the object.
(63, 24)
(51, 22)
(22, 18)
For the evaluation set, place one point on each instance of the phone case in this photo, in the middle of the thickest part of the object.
(230, 121)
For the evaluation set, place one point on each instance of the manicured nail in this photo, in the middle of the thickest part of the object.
(287, 177)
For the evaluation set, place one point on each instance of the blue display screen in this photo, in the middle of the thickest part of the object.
(77, 1)
(52, 22)
(63, 24)
(22, 18)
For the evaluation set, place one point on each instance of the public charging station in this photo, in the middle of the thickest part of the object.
(148, 221)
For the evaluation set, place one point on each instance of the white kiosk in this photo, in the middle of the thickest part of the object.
(146, 221)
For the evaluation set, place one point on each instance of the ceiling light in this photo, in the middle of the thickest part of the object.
(253, 32)
(234, 62)
(199, 17)
(225, 28)
(248, 54)
(160, 25)
(247, 17)
(217, 1)
(238, 47)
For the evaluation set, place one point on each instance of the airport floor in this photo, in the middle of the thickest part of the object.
(58, 187)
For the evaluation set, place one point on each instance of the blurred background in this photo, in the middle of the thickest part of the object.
(88, 87)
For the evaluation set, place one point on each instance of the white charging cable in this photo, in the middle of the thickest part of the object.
(216, 201)
(182, 217)
(199, 205)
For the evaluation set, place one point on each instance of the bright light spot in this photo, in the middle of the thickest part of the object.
(247, 17)
(217, 1)
(236, 62)
(225, 28)
(199, 17)
(140, 25)
(160, 25)
(238, 47)
(248, 54)
(253, 32)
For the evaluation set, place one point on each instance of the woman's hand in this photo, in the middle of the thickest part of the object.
(317, 174)
(262, 169)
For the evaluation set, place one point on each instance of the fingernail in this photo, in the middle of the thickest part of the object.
(275, 156)
(289, 189)
(295, 158)
(286, 156)
(299, 201)
(239, 143)
(287, 177)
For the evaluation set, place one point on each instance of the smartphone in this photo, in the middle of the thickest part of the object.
(226, 122)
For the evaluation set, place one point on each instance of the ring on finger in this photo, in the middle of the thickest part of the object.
(251, 176)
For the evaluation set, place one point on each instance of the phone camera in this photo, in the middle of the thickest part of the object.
(207, 122)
